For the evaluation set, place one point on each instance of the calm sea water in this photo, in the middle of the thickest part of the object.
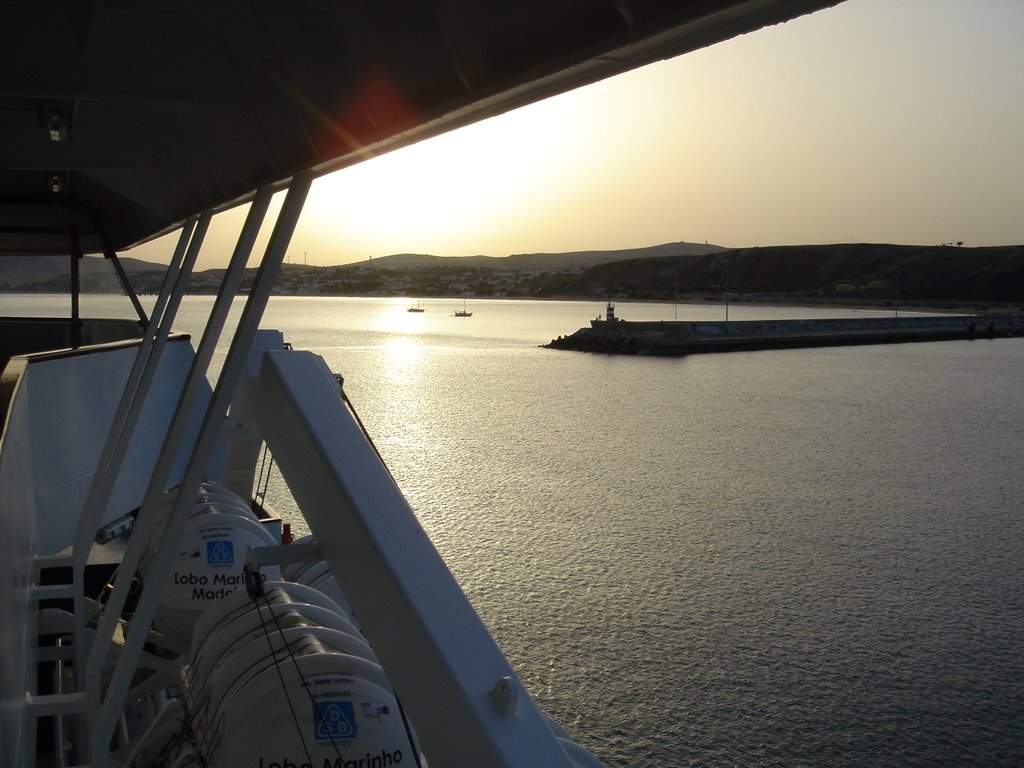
(784, 558)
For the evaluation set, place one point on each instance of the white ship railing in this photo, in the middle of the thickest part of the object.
(467, 704)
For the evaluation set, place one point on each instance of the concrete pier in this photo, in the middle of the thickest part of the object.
(673, 338)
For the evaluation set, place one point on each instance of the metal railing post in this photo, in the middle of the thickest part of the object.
(112, 703)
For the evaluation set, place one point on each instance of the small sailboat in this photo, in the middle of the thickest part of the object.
(463, 312)
(415, 308)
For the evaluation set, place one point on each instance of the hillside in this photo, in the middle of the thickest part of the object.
(535, 261)
(861, 273)
(53, 273)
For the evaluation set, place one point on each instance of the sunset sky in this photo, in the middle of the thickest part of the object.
(876, 121)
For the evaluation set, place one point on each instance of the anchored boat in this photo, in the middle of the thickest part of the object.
(150, 612)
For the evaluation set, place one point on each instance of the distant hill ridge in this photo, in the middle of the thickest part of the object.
(943, 273)
(27, 272)
(15, 270)
(542, 260)
(859, 272)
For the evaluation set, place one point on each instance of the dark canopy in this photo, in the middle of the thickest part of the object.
(125, 117)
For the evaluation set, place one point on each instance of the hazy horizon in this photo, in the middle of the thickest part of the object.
(873, 121)
(154, 257)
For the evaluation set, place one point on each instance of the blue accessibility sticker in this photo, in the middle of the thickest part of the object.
(220, 552)
(333, 720)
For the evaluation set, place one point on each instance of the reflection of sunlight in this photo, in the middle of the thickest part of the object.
(402, 355)
(394, 317)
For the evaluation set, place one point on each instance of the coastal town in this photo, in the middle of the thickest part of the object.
(942, 276)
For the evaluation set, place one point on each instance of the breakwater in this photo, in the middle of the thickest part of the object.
(671, 338)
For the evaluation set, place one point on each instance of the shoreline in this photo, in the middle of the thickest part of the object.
(773, 300)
